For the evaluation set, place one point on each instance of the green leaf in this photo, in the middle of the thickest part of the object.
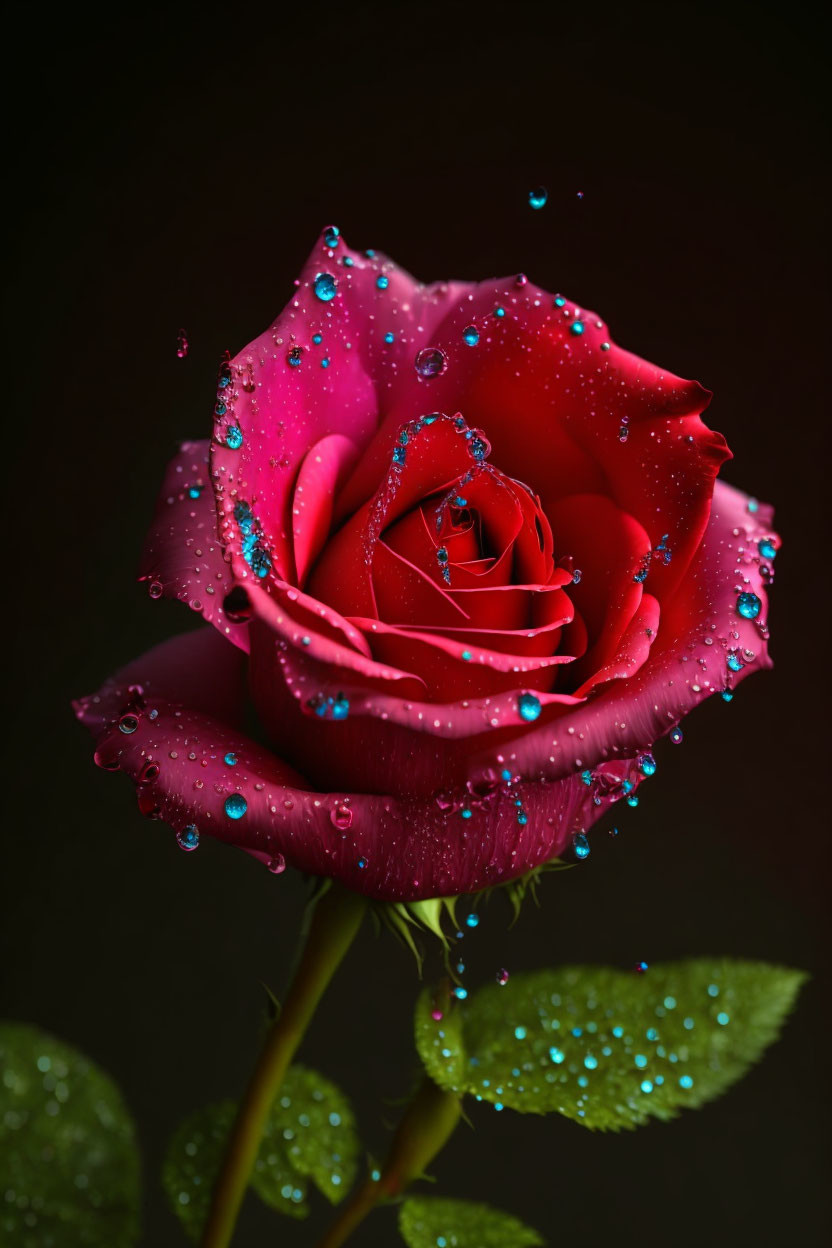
(310, 1134)
(608, 1048)
(313, 1123)
(427, 1222)
(193, 1161)
(70, 1164)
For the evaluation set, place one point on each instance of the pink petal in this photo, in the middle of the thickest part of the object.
(183, 556)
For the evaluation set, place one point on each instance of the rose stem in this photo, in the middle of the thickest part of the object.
(335, 920)
(426, 1127)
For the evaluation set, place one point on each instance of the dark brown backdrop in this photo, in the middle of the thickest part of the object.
(174, 171)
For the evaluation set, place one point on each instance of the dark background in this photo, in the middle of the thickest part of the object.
(174, 171)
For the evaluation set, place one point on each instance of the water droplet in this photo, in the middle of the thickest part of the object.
(128, 723)
(676, 736)
(341, 816)
(294, 356)
(155, 589)
(277, 865)
(182, 345)
(640, 968)
(472, 920)
(235, 806)
(471, 335)
(230, 759)
(767, 548)
(460, 993)
(234, 437)
(382, 281)
(325, 287)
(647, 765)
(502, 976)
(577, 328)
(538, 197)
(332, 235)
(748, 606)
(557, 1055)
(389, 337)
(188, 838)
(430, 362)
(528, 704)
(580, 844)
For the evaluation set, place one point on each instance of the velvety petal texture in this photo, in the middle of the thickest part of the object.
(468, 559)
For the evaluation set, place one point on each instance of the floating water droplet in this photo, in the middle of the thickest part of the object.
(341, 816)
(430, 362)
(460, 993)
(188, 838)
(676, 736)
(529, 707)
(325, 287)
(277, 864)
(580, 844)
(471, 335)
(538, 197)
(472, 920)
(749, 606)
(235, 806)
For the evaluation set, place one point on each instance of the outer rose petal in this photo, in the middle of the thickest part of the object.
(385, 847)
(683, 668)
(182, 555)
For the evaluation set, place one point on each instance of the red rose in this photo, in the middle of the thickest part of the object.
(469, 558)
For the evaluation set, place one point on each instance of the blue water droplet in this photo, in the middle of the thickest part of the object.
(676, 736)
(767, 548)
(538, 197)
(235, 806)
(590, 1062)
(325, 287)
(734, 661)
(749, 606)
(471, 335)
(332, 235)
(647, 765)
(646, 1086)
(472, 920)
(580, 844)
(234, 437)
(557, 1055)
(294, 356)
(317, 339)
(382, 281)
(528, 704)
(188, 838)
(460, 993)
(230, 759)
(685, 1081)
(389, 337)
(325, 362)
(577, 328)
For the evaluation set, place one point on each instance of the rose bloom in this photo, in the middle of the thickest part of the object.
(469, 559)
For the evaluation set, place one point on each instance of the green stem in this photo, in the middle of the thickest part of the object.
(335, 920)
(426, 1127)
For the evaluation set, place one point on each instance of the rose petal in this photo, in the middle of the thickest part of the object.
(182, 556)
